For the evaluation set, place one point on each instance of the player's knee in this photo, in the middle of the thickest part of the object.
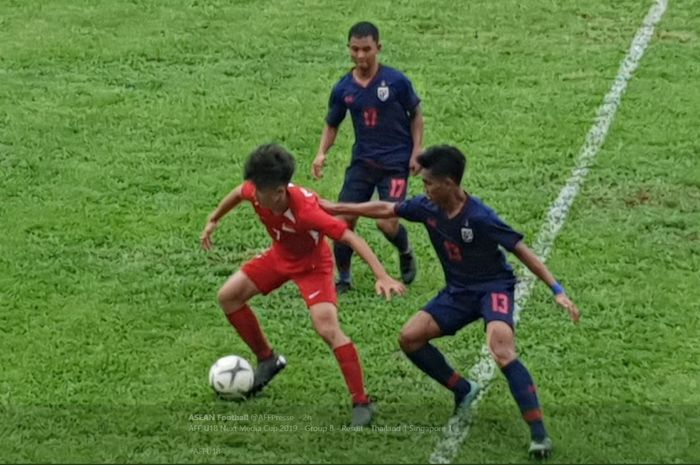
(404, 342)
(222, 296)
(502, 352)
(229, 299)
(329, 331)
(410, 340)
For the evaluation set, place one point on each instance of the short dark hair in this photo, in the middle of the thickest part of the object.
(364, 29)
(269, 166)
(444, 161)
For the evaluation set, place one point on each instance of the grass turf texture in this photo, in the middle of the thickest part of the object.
(122, 124)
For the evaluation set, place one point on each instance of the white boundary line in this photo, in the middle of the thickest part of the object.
(457, 428)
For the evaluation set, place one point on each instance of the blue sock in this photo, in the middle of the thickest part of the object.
(524, 392)
(345, 276)
(343, 256)
(431, 361)
(400, 241)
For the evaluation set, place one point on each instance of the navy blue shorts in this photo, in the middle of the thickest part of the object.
(362, 178)
(453, 311)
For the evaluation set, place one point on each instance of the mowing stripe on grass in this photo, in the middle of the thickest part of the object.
(457, 428)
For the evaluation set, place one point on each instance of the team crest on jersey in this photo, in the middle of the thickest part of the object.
(383, 92)
(467, 234)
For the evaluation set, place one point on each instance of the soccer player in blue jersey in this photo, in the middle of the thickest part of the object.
(468, 237)
(388, 123)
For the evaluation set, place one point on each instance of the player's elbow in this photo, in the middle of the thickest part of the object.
(348, 237)
(520, 249)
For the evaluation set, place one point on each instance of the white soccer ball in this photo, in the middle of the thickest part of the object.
(231, 377)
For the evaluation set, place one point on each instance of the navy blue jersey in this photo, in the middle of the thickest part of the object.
(380, 115)
(468, 244)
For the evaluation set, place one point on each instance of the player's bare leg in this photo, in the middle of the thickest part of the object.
(396, 233)
(325, 320)
(233, 298)
(501, 342)
(236, 292)
(415, 340)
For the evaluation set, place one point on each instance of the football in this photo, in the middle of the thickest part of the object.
(231, 377)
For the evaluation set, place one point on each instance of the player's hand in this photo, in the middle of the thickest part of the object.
(205, 238)
(563, 300)
(317, 166)
(413, 164)
(387, 286)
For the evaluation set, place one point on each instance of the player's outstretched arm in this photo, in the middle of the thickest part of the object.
(327, 140)
(539, 269)
(226, 205)
(386, 285)
(375, 209)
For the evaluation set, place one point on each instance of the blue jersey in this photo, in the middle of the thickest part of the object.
(468, 244)
(381, 116)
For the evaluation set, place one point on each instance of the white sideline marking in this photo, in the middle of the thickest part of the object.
(457, 427)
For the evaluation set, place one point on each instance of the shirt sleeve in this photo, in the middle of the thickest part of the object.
(406, 95)
(248, 191)
(411, 210)
(498, 231)
(314, 217)
(336, 108)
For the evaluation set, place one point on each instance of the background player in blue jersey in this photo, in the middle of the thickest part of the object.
(388, 123)
(467, 236)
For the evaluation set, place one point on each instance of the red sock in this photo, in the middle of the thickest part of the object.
(247, 326)
(351, 367)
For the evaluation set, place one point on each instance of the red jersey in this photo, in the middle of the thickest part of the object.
(297, 234)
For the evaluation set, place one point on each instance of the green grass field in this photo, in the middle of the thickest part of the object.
(123, 123)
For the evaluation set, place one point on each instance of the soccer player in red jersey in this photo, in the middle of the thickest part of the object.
(299, 253)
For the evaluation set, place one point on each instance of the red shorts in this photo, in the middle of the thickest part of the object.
(314, 279)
